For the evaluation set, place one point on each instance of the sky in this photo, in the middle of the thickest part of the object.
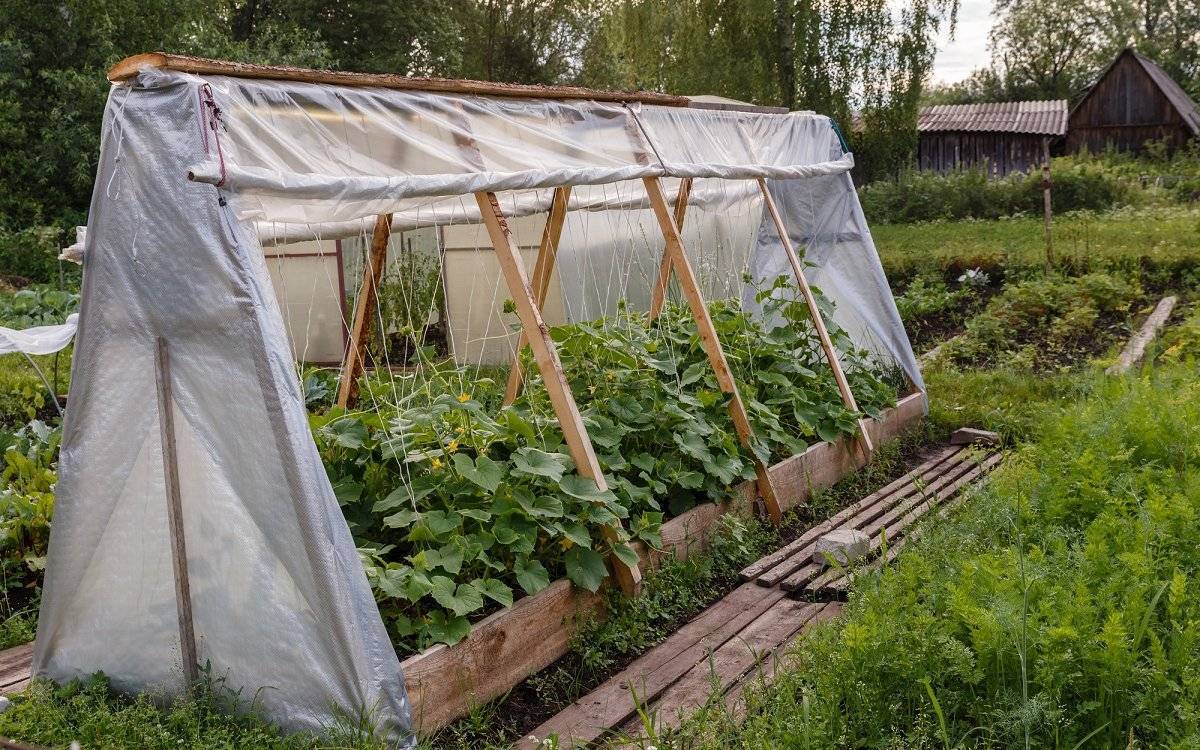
(957, 58)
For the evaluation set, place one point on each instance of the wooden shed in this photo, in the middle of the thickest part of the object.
(998, 137)
(1133, 101)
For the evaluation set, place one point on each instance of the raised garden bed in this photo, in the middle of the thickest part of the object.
(444, 682)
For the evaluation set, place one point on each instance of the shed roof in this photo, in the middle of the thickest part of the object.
(1175, 94)
(1035, 118)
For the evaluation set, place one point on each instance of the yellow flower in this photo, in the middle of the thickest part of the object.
(566, 543)
(453, 446)
(464, 397)
(460, 429)
(436, 463)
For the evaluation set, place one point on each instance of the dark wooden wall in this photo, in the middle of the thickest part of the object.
(1123, 111)
(997, 153)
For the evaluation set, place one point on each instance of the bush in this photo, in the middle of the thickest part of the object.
(969, 194)
(31, 255)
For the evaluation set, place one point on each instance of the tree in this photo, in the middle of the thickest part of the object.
(1045, 49)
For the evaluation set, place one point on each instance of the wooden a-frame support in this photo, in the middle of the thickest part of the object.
(543, 270)
(364, 311)
(678, 261)
(579, 444)
(810, 300)
(658, 293)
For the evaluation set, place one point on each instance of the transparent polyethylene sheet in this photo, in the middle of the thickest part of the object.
(281, 605)
(308, 153)
(39, 339)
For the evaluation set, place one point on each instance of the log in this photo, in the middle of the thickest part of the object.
(1135, 349)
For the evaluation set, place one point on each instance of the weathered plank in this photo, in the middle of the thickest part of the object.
(364, 311)
(801, 550)
(129, 67)
(764, 564)
(501, 651)
(1135, 348)
(614, 702)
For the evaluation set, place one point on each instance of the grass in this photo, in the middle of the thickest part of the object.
(1162, 245)
(1060, 609)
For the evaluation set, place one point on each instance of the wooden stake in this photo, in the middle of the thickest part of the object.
(1046, 211)
(708, 339)
(364, 311)
(183, 591)
(818, 322)
(658, 295)
(629, 578)
(543, 270)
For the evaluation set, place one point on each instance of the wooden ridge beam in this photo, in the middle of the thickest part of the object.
(203, 66)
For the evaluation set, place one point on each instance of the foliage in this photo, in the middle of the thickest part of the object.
(1181, 343)
(458, 505)
(1059, 609)
(30, 458)
(32, 255)
(93, 714)
(970, 194)
(1048, 322)
(38, 305)
(932, 310)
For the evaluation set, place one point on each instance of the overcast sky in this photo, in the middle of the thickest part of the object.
(968, 50)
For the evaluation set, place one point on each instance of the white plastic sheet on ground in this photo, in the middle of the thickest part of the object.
(282, 608)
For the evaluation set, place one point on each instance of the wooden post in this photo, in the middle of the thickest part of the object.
(658, 294)
(1047, 213)
(364, 311)
(183, 591)
(818, 322)
(629, 578)
(708, 339)
(543, 270)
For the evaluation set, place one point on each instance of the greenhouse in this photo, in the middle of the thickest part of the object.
(362, 360)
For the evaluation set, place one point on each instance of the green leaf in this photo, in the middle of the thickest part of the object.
(576, 532)
(531, 574)
(461, 600)
(447, 630)
(585, 567)
(348, 433)
(477, 513)
(483, 471)
(538, 506)
(539, 463)
(401, 520)
(625, 554)
(584, 489)
(494, 590)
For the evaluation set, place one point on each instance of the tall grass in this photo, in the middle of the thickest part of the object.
(1060, 609)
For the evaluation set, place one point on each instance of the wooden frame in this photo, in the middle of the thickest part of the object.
(543, 271)
(818, 322)
(629, 578)
(658, 294)
(708, 338)
(364, 311)
(179, 566)
(129, 67)
(446, 682)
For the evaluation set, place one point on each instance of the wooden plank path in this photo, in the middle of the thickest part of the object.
(14, 668)
(741, 639)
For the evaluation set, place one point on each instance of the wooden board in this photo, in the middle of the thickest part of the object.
(501, 651)
(1135, 348)
(202, 66)
(364, 311)
(15, 668)
(615, 701)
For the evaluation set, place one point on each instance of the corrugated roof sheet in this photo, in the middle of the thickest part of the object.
(1173, 91)
(1037, 118)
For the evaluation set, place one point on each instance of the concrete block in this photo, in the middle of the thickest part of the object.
(969, 435)
(843, 546)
